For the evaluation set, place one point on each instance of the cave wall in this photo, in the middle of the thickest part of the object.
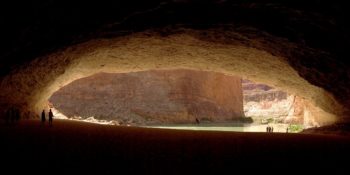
(156, 96)
(34, 83)
(297, 46)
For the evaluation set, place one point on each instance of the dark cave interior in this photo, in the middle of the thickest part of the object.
(299, 46)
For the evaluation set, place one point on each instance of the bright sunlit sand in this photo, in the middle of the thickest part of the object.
(216, 127)
(201, 127)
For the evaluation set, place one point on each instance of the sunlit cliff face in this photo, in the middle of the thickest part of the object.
(179, 96)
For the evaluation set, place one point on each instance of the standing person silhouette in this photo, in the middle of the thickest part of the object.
(43, 117)
(50, 117)
(197, 120)
(17, 115)
(13, 115)
(8, 116)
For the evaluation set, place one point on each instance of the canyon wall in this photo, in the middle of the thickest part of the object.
(150, 97)
(262, 102)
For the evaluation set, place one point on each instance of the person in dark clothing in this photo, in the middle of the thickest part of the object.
(13, 115)
(17, 115)
(197, 120)
(8, 116)
(43, 119)
(50, 117)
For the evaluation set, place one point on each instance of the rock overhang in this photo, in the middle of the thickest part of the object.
(35, 82)
(309, 37)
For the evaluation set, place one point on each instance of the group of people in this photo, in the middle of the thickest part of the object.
(269, 129)
(12, 116)
(43, 118)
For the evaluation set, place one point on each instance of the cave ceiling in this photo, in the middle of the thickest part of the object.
(312, 35)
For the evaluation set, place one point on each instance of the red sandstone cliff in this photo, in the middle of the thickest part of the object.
(165, 96)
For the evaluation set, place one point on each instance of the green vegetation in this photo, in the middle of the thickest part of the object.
(295, 128)
(247, 120)
(243, 120)
(266, 121)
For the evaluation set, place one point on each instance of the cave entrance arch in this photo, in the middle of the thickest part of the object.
(36, 82)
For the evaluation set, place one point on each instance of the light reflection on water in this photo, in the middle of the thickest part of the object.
(226, 126)
(244, 128)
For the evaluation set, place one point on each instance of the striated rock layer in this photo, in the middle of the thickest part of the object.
(262, 101)
(166, 96)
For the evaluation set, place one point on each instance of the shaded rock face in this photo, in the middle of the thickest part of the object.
(303, 112)
(158, 96)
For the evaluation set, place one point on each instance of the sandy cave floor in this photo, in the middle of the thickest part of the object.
(71, 146)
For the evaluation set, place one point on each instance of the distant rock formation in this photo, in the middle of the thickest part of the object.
(150, 97)
(266, 102)
(261, 100)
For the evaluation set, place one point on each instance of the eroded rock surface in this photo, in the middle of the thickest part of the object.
(165, 96)
(263, 102)
(300, 47)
